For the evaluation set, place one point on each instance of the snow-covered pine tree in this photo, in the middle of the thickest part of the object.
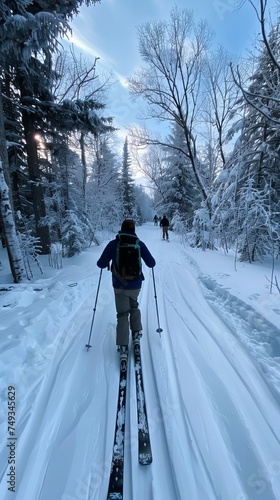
(127, 186)
(181, 193)
(75, 234)
(104, 206)
(27, 39)
(29, 36)
(144, 204)
(256, 178)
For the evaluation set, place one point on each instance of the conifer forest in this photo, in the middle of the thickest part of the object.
(211, 157)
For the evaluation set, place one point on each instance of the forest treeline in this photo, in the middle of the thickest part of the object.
(214, 171)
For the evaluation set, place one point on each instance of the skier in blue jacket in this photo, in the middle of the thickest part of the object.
(126, 292)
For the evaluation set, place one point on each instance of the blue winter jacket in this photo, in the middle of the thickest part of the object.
(109, 254)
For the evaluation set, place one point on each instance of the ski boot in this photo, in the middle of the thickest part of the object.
(123, 350)
(136, 336)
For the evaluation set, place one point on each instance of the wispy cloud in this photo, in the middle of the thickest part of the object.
(91, 50)
(88, 48)
(122, 79)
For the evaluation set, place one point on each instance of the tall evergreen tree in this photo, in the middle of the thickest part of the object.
(254, 172)
(127, 185)
(29, 34)
(182, 196)
(104, 206)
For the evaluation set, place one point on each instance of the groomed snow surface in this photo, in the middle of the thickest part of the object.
(212, 380)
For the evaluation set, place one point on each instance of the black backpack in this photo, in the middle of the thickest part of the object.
(127, 265)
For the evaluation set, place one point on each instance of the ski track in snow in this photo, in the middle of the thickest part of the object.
(208, 395)
(258, 335)
(249, 475)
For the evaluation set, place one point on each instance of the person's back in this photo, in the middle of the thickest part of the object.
(164, 223)
(126, 289)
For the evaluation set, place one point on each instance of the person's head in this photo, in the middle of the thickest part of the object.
(128, 225)
(164, 216)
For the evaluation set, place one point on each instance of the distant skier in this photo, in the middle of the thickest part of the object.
(164, 223)
(155, 220)
(125, 252)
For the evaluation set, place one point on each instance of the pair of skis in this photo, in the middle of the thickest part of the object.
(115, 490)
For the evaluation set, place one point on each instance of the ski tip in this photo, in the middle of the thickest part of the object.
(145, 459)
(115, 496)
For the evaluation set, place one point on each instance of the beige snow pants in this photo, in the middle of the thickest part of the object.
(128, 314)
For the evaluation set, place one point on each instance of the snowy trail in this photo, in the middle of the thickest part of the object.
(214, 416)
(63, 434)
(209, 372)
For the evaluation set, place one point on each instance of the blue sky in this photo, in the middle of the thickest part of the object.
(108, 30)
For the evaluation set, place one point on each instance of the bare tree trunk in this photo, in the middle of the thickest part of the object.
(7, 219)
(84, 164)
(13, 247)
(3, 146)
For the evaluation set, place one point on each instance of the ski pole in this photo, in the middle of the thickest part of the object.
(159, 329)
(94, 309)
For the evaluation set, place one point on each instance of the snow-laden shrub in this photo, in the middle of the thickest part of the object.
(75, 234)
(202, 233)
(179, 224)
(31, 248)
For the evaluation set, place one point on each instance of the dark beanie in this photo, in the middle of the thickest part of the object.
(128, 225)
